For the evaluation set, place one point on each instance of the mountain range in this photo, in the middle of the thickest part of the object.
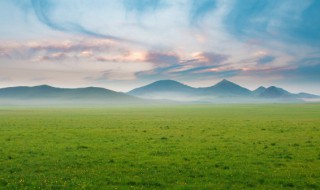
(223, 92)
(169, 89)
(45, 94)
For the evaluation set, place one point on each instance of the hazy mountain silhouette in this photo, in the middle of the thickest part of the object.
(169, 88)
(259, 90)
(275, 92)
(229, 91)
(226, 88)
(45, 93)
(163, 86)
(222, 92)
(306, 95)
(164, 89)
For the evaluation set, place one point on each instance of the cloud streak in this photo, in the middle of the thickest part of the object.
(160, 39)
(199, 9)
(142, 6)
(266, 59)
(49, 50)
(44, 9)
(288, 21)
(210, 58)
(162, 59)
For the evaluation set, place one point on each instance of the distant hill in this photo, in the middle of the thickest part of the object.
(169, 89)
(226, 88)
(275, 92)
(223, 91)
(259, 90)
(164, 89)
(306, 95)
(45, 93)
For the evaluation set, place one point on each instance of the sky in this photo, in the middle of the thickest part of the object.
(123, 44)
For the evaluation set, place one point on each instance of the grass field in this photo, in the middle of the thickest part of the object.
(168, 147)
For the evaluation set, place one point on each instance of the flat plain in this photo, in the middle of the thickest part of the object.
(266, 146)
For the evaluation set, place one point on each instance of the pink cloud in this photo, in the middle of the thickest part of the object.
(210, 58)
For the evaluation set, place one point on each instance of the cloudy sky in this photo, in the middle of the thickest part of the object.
(122, 44)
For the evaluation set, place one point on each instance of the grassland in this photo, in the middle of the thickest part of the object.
(164, 147)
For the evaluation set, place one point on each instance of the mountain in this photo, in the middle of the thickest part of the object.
(306, 95)
(45, 93)
(275, 92)
(227, 88)
(223, 91)
(259, 90)
(164, 89)
(169, 89)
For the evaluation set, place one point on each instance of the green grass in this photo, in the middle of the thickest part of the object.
(169, 147)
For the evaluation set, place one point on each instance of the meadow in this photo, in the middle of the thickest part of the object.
(267, 146)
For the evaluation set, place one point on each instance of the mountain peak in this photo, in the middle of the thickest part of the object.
(226, 83)
(275, 92)
(226, 87)
(277, 89)
(259, 90)
(162, 87)
(273, 88)
(43, 86)
(166, 82)
(166, 85)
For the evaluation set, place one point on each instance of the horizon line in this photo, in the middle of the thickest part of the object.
(83, 87)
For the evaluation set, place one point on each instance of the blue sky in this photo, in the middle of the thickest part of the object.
(122, 44)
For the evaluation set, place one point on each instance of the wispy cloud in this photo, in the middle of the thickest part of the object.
(209, 58)
(146, 40)
(289, 21)
(142, 6)
(46, 10)
(266, 59)
(163, 59)
(200, 8)
(53, 57)
(52, 50)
